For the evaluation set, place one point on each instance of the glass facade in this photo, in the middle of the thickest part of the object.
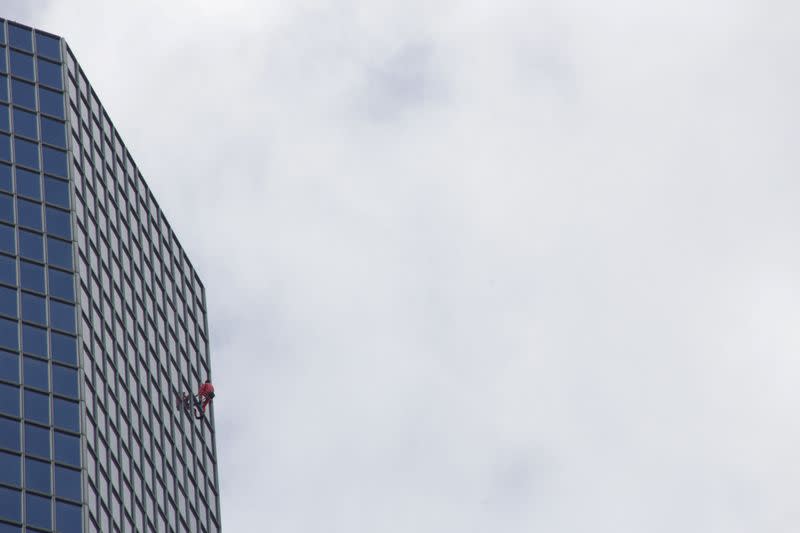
(102, 319)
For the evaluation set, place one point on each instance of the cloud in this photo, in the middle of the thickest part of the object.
(502, 267)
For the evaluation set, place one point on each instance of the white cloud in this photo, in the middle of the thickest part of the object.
(478, 267)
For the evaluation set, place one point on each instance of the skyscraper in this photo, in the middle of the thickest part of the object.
(102, 319)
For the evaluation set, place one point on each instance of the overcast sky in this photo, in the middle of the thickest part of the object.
(479, 266)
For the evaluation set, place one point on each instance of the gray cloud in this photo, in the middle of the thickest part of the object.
(470, 268)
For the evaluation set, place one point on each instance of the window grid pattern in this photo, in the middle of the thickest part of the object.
(142, 338)
(40, 430)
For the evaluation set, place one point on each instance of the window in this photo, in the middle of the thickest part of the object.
(9, 399)
(37, 475)
(9, 367)
(64, 348)
(22, 65)
(67, 448)
(37, 407)
(56, 192)
(65, 381)
(53, 132)
(68, 483)
(8, 302)
(20, 37)
(37, 441)
(65, 415)
(10, 468)
(52, 102)
(6, 208)
(5, 147)
(38, 511)
(26, 153)
(31, 276)
(9, 434)
(33, 308)
(10, 504)
(58, 222)
(68, 517)
(35, 373)
(8, 334)
(59, 253)
(23, 94)
(55, 161)
(34, 340)
(4, 88)
(5, 178)
(47, 46)
(25, 124)
(29, 214)
(28, 184)
(4, 126)
(50, 73)
(31, 245)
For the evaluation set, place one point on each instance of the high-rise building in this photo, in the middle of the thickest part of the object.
(102, 319)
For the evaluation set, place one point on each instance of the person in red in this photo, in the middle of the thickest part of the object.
(204, 396)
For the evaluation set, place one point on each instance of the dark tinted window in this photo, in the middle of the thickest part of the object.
(7, 242)
(65, 415)
(5, 177)
(20, 37)
(59, 253)
(5, 147)
(65, 381)
(23, 93)
(25, 124)
(64, 348)
(37, 407)
(10, 504)
(50, 73)
(53, 132)
(48, 46)
(31, 276)
(55, 161)
(4, 124)
(37, 475)
(10, 469)
(33, 308)
(8, 302)
(4, 88)
(58, 223)
(62, 316)
(62, 285)
(9, 367)
(6, 208)
(9, 399)
(37, 441)
(26, 153)
(56, 192)
(68, 483)
(29, 214)
(34, 340)
(37, 511)
(67, 448)
(51, 102)
(9, 434)
(34, 372)
(22, 65)
(68, 517)
(9, 336)
(31, 245)
(28, 184)
(8, 270)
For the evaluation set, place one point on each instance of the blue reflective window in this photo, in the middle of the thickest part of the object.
(37, 441)
(35, 373)
(68, 518)
(65, 348)
(56, 192)
(58, 222)
(29, 214)
(5, 177)
(8, 270)
(51, 102)
(62, 316)
(37, 475)
(20, 37)
(55, 161)
(4, 88)
(23, 93)
(68, 449)
(48, 46)
(59, 253)
(10, 469)
(37, 407)
(26, 153)
(7, 242)
(3, 66)
(4, 123)
(65, 415)
(9, 399)
(7, 208)
(34, 308)
(5, 147)
(34, 340)
(61, 284)
(29, 184)
(9, 338)
(68, 483)
(22, 65)
(8, 302)
(2, 34)
(54, 132)
(31, 276)
(65, 381)
(10, 504)
(50, 74)
(8, 528)
(31, 245)
(9, 434)
(25, 124)
(9, 366)
(38, 511)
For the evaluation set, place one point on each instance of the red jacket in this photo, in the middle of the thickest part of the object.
(205, 389)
